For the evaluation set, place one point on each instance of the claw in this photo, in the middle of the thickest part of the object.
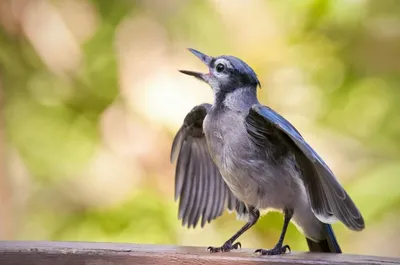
(237, 245)
(286, 247)
(227, 247)
(277, 250)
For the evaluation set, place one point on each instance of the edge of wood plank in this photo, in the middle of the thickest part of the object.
(60, 253)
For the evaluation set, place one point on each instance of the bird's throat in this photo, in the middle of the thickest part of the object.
(239, 99)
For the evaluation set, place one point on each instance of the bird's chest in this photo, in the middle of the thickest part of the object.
(227, 142)
(233, 153)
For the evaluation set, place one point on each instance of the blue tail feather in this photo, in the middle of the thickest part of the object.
(329, 245)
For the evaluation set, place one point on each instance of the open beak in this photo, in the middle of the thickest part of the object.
(205, 59)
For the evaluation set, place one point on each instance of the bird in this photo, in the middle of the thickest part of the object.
(239, 155)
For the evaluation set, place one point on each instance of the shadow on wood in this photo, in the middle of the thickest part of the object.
(75, 253)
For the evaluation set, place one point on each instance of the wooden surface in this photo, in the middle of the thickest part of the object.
(74, 253)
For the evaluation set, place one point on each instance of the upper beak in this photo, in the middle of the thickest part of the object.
(205, 59)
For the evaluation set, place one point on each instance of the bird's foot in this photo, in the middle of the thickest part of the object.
(277, 250)
(226, 247)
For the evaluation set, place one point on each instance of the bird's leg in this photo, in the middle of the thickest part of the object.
(254, 215)
(279, 248)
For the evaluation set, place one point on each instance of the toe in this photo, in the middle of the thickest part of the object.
(213, 249)
(262, 251)
(273, 251)
(227, 247)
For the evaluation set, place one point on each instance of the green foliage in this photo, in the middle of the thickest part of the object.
(145, 219)
(53, 120)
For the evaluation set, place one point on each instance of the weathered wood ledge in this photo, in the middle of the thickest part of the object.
(74, 253)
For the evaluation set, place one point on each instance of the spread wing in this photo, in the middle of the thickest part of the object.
(329, 201)
(201, 189)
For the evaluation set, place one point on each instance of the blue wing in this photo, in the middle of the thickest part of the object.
(329, 201)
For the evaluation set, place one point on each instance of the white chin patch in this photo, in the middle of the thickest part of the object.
(214, 85)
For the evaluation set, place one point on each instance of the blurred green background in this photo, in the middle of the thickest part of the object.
(91, 98)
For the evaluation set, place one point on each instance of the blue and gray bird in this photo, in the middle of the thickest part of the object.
(243, 156)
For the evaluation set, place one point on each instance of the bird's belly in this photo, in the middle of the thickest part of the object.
(258, 182)
(252, 177)
(262, 190)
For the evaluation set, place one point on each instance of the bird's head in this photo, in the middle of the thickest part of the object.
(226, 73)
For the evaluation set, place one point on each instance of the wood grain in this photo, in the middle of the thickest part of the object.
(76, 253)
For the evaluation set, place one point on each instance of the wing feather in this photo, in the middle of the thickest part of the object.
(202, 192)
(328, 198)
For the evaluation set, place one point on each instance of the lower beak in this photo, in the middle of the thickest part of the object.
(199, 76)
(205, 59)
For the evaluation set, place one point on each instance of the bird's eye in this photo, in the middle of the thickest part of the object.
(220, 67)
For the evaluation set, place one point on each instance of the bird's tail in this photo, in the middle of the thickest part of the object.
(329, 245)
